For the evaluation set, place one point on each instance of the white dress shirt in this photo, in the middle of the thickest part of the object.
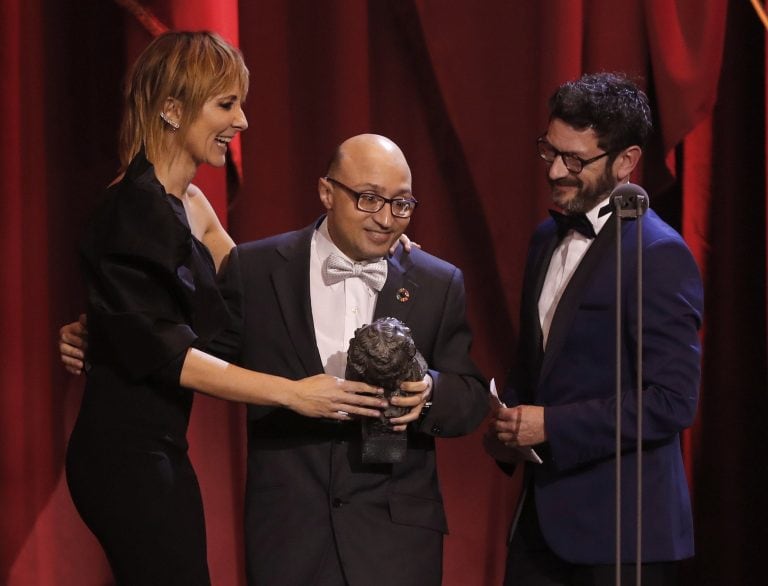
(565, 260)
(338, 309)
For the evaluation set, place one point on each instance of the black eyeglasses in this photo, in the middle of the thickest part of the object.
(368, 201)
(574, 163)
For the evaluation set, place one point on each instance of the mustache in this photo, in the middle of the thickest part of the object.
(565, 182)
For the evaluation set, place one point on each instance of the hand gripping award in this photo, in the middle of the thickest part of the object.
(383, 354)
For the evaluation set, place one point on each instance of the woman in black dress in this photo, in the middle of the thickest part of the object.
(150, 255)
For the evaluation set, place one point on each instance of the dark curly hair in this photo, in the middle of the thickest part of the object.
(609, 103)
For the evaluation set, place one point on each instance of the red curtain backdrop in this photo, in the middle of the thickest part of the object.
(462, 88)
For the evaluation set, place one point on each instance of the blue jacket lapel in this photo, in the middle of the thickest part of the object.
(569, 302)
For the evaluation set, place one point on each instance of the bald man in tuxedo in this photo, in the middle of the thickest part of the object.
(315, 513)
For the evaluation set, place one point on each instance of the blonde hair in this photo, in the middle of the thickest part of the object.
(191, 67)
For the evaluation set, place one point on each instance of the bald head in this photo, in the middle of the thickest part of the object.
(366, 163)
(368, 151)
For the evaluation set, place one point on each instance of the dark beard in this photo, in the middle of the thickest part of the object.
(586, 198)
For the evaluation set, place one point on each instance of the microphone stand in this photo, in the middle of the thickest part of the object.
(629, 201)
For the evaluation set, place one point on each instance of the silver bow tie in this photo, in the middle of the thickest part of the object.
(337, 268)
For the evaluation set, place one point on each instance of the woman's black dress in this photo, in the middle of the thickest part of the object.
(151, 295)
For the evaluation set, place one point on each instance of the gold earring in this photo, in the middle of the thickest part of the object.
(168, 121)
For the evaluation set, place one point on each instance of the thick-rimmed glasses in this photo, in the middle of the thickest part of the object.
(574, 163)
(368, 201)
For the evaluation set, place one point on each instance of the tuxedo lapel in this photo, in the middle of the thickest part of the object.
(291, 285)
(571, 298)
(399, 292)
(529, 352)
(532, 289)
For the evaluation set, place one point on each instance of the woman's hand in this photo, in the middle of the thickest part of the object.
(73, 342)
(331, 397)
(406, 242)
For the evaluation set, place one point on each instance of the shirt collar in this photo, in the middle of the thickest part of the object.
(598, 221)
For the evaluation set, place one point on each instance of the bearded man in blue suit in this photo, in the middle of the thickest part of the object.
(562, 389)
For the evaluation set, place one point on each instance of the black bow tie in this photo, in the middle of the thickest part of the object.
(567, 222)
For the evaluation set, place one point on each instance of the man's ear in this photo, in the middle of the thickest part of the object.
(626, 162)
(172, 111)
(325, 191)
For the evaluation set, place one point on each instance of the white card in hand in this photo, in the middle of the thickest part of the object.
(528, 454)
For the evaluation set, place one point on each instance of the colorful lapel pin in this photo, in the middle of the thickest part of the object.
(403, 295)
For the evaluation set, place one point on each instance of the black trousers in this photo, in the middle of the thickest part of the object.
(142, 501)
(530, 562)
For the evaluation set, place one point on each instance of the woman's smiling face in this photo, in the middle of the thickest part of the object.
(219, 121)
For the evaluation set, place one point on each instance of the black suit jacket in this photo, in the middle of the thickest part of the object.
(308, 494)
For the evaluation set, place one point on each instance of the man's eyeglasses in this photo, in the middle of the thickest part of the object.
(574, 163)
(370, 202)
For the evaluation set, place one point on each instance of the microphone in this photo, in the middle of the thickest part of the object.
(629, 200)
